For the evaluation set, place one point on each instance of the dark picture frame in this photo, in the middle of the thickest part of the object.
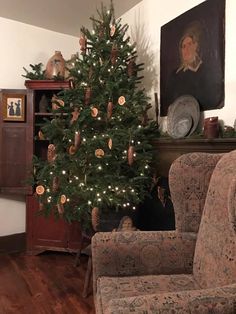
(204, 25)
(13, 107)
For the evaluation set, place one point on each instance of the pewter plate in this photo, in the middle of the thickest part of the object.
(183, 116)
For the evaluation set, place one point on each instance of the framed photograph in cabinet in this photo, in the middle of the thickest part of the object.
(192, 56)
(13, 107)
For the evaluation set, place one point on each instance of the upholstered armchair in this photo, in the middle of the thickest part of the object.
(189, 270)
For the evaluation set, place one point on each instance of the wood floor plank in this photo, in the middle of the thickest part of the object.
(45, 284)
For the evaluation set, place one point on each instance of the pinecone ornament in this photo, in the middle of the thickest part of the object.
(114, 54)
(75, 115)
(51, 154)
(87, 96)
(130, 155)
(95, 218)
(77, 140)
(60, 208)
(83, 43)
(131, 68)
(109, 109)
(55, 184)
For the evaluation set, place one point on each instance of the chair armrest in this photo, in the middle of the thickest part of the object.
(189, 178)
(142, 253)
(214, 300)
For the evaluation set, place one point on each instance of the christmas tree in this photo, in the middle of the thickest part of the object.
(100, 152)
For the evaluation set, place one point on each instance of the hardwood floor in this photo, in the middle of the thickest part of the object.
(45, 284)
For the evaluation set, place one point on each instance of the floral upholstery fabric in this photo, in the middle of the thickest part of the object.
(110, 287)
(215, 255)
(189, 178)
(170, 271)
(209, 301)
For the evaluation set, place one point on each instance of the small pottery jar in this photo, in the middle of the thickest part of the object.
(55, 66)
(211, 128)
(43, 103)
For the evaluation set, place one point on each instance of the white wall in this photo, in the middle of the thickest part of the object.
(22, 45)
(145, 20)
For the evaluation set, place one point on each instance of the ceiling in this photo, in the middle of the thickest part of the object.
(61, 16)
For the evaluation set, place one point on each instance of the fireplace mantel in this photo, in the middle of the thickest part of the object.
(169, 149)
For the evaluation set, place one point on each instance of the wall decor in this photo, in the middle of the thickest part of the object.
(13, 107)
(192, 56)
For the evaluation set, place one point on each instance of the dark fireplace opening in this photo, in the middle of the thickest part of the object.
(157, 211)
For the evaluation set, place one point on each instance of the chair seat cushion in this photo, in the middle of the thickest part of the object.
(110, 288)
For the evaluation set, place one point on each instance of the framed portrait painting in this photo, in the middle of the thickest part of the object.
(13, 107)
(192, 57)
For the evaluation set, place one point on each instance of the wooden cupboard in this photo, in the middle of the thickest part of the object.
(45, 233)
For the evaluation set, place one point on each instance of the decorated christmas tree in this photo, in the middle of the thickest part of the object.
(100, 152)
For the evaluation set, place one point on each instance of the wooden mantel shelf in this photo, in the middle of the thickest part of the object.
(46, 84)
(167, 149)
(197, 144)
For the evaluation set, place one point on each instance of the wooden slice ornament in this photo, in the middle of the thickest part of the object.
(72, 150)
(40, 189)
(99, 153)
(63, 199)
(121, 100)
(94, 112)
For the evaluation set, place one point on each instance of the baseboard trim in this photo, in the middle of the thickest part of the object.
(13, 243)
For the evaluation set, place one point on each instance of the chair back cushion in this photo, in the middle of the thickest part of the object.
(215, 253)
(189, 178)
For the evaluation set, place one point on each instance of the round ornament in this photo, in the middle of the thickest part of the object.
(121, 100)
(110, 143)
(72, 150)
(40, 189)
(63, 199)
(99, 153)
(112, 30)
(94, 112)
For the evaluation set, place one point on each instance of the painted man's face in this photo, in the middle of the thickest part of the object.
(188, 49)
